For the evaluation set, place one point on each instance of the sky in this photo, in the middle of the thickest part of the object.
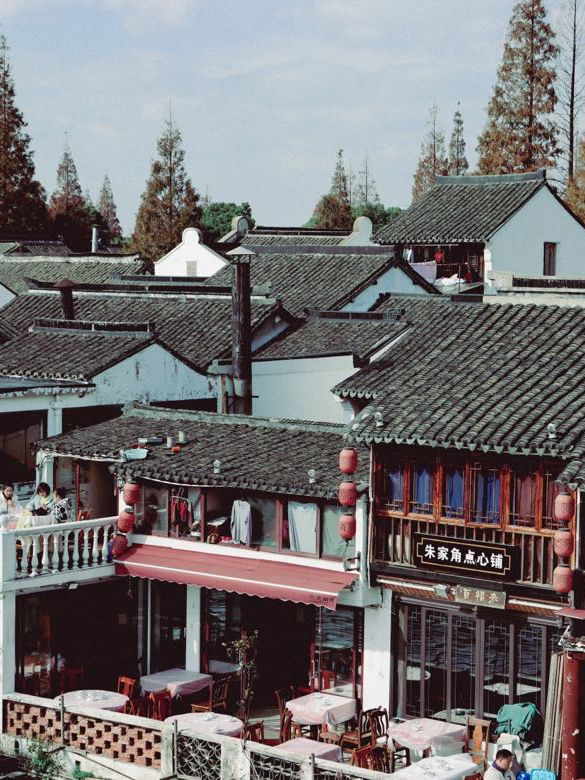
(264, 92)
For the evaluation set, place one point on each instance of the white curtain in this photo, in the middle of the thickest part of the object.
(302, 526)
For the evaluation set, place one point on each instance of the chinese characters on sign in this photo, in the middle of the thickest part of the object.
(482, 598)
(457, 554)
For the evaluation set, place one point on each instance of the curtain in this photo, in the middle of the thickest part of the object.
(302, 526)
(395, 485)
(524, 499)
(422, 488)
(454, 493)
(487, 497)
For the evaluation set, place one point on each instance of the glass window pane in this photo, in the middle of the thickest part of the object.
(300, 527)
(152, 511)
(549, 493)
(421, 488)
(394, 498)
(523, 498)
(169, 606)
(334, 649)
(454, 492)
(463, 650)
(497, 667)
(436, 655)
(413, 661)
(485, 494)
(332, 543)
(528, 664)
(263, 521)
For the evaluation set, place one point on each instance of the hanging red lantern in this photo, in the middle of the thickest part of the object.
(126, 520)
(563, 542)
(564, 509)
(562, 578)
(348, 460)
(119, 545)
(346, 527)
(131, 493)
(347, 494)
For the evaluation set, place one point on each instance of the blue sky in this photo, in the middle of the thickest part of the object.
(263, 91)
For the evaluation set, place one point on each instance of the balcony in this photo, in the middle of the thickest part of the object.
(393, 543)
(64, 553)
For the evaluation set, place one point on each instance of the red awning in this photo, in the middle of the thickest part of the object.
(248, 575)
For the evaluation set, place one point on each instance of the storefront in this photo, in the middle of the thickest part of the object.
(452, 660)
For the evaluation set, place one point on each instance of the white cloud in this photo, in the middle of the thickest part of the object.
(142, 14)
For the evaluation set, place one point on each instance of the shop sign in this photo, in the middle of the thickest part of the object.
(496, 599)
(458, 555)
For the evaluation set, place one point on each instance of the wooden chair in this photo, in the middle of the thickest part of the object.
(83, 514)
(283, 695)
(328, 679)
(361, 735)
(369, 757)
(477, 739)
(331, 737)
(127, 686)
(254, 732)
(137, 706)
(290, 729)
(219, 697)
(379, 727)
(160, 705)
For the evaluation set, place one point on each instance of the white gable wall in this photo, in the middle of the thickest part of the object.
(189, 258)
(6, 295)
(518, 246)
(394, 280)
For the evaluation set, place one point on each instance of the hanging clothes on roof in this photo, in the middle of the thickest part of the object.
(241, 523)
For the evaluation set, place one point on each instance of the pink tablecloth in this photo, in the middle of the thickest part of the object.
(424, 733)
(304, 747)
(319, 708)
(102, 700)
(208, 723)
(179, 682)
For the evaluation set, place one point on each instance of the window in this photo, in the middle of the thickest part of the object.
(263, 520)
(394, 487)
(522, 498)
(300, 526)
(421, 488)
(332, 544)
(453, 501)
(152, 511)
(485, 493)
(550, 259)
(549, 493)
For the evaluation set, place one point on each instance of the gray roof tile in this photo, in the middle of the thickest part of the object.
(86, 270)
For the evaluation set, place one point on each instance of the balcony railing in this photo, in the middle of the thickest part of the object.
(394, 543)
(55, 549)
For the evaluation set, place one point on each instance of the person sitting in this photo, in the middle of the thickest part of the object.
(40, 503)
(61, 509)
(501, 768)
(9, 506)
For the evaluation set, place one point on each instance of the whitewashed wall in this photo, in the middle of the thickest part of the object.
(6, 295)
(300, 387)
(189, 258)
(392, 281)
(376, 656)
(518, 246)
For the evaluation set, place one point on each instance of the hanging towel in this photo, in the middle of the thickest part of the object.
(241, 523)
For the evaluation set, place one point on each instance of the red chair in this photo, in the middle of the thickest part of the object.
(328, 679)
(127, 686)
(138, 707)
(160, 705)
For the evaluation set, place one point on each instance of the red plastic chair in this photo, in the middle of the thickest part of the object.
(160, 705)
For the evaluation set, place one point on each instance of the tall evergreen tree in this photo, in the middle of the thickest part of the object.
(169, 203)
(433, 157)
(339, 186)
(365, 188)
(107, 209)
(570, 83)
(520, 133)
(22, 199)
(333, 211)
(458, 165)
(70, 215)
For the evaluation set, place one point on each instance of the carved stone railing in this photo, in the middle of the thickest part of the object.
(54, 549)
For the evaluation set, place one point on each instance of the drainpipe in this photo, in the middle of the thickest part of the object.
(95, 241)
(65, 287)
(241, 331)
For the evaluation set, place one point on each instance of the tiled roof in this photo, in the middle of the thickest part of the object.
(329, 334)
(489, 377)
(197, 329)
(13, 272)
(66, 355)
(264, 239)
(36, 247)
(462, 209)
(255, 453)
(322, 280)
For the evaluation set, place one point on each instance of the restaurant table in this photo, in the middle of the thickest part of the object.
(319, 708)
(208, 723)
(451, 768)
(101, 700)
(305, 747)
(179, 682)
(222, 667)
(424, 734)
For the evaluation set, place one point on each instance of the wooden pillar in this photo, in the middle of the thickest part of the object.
(241, 335)
(570, 734)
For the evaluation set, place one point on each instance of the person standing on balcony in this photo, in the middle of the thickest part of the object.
(61, 509)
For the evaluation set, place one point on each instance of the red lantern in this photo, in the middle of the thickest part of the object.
(564, 509)
(347, 494)
(563, 543)
(119, 545)
(562, 578)
(348, 460)
(346, 527)
(131, 493)
(126, 520)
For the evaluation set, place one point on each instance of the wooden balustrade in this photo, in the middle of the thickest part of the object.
(393, 543)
